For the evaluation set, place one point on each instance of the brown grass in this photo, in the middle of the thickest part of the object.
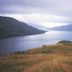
(53, 58)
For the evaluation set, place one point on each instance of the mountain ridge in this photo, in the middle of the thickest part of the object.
(63, 27)
(10, 27)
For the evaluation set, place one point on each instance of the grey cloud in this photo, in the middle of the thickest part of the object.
(60, 7)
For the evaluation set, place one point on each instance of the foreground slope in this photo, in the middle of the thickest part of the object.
(10, 27)
(51, 58)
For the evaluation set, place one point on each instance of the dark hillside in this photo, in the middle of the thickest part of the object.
(10, 27)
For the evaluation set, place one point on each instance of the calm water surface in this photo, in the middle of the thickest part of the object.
(33, 41)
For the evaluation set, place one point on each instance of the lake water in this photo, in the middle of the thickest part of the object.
(33, 41)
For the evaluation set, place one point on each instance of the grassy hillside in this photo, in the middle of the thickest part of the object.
(51, 58)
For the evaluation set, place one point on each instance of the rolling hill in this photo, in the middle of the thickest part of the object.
(10, 27)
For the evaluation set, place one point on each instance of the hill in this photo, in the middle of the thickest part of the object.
(61, 47)
(51, 58)
(38, 26)
(63, 28)
(10, 27)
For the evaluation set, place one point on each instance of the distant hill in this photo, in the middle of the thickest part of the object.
(64, 42)
(38, 26)
(10, 27)
(63, 28)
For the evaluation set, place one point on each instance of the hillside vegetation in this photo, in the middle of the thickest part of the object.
(51, 58)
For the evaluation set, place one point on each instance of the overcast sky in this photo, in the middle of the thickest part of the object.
(45, 12)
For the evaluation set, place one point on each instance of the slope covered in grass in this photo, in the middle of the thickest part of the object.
(62, 47)
(52, 58)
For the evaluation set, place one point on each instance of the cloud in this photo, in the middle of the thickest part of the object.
(41, 18)
(59, 7)
(41, 11)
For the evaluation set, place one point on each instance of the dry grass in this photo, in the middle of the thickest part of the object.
(36, 63)
(54, 58)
